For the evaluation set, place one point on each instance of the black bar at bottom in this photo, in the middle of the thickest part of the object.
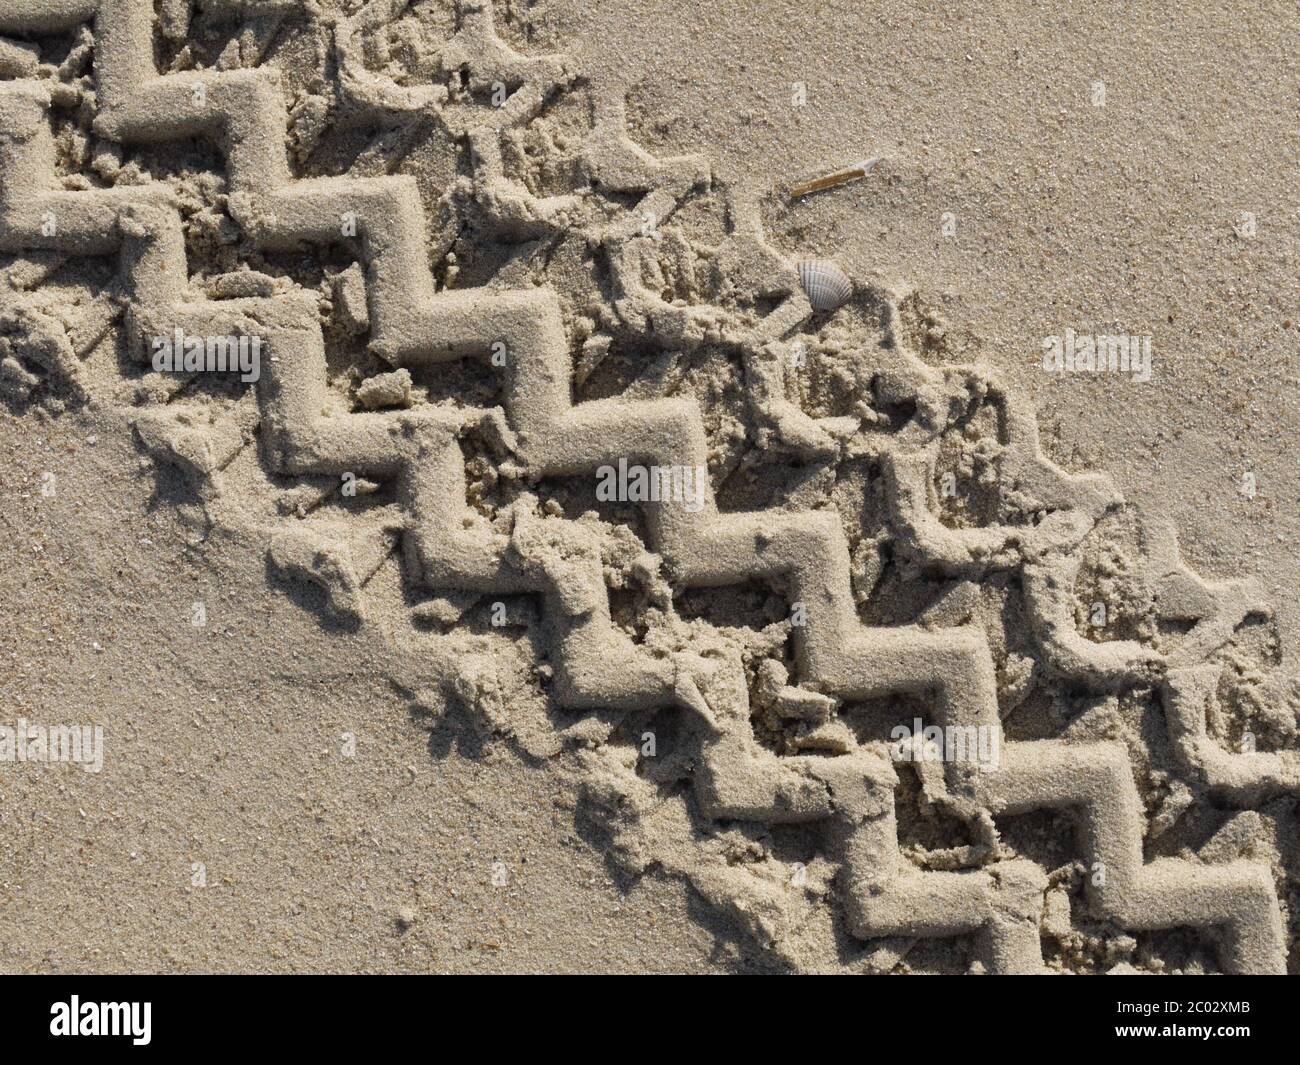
(305, 1013)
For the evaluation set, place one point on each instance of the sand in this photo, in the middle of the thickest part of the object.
(559, 590)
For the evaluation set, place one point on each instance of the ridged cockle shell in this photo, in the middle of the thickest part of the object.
(826, 285)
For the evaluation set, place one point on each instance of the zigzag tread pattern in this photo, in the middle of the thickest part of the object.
(451, 546)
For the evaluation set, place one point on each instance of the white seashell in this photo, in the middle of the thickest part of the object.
(826, 285)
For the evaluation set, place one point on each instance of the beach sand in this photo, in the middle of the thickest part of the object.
(385, 683)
